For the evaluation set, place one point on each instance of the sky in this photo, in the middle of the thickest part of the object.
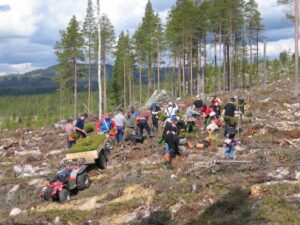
(30, 28)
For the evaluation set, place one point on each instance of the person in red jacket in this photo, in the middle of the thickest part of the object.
(208, 114)
(106, 124)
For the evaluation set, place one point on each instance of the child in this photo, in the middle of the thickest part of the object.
(71, 135)
(229, 145)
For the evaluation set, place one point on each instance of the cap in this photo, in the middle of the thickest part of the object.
(170, 103)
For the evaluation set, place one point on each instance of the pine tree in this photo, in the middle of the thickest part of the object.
(295, 17)
(138, 47)
(90, 37)
(69, 52)
(122, 72)
(147, 32)
(107, 42)
(251, 17)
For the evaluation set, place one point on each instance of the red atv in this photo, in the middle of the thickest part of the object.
(69, 180)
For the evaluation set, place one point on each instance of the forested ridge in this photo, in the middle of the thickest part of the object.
(203, 47)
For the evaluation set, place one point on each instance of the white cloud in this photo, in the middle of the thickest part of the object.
(36, 23)
(275, 47)
(21, 19)
(16, 68)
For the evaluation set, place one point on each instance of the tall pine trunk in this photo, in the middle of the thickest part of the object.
(124, 80)
(158, 65)
(149, 78)
(183, 74)
(99, 61)
(251, 58)
(198, 69)
(104, 85)
(75, 87)
(140, 81)
(191, 70)
(296, 49)
(179, 77)
(220, 53)
(89, 76)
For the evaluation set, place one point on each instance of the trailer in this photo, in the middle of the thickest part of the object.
(98, 157)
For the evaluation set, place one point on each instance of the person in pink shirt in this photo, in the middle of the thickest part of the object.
(70, 130)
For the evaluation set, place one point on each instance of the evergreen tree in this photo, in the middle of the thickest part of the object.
(107, 42)
(252, 16)
(294, 4)
(138, 47)
(69, 52)
(90, 38)
(122, 72)
(147, 32)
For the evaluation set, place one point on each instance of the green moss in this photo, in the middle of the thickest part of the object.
(87, 144)
(89, 128)
(161, 116)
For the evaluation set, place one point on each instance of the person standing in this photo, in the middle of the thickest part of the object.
(106, 124)
(120, 123)
(216, 105)
(79, 126)
(154, 110)
(171, 110)
(145, 121)
(198, 104)
(71, 133)
(228, 112)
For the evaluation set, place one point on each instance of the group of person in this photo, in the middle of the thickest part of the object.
(137, 122)
(213, 114)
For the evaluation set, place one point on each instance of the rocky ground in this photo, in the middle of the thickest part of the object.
(264, 188)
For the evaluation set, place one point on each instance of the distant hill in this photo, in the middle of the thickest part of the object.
(42, 81)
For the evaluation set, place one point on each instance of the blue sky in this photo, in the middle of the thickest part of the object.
(30, 28)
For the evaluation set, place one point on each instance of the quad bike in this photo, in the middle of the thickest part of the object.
(69, 180)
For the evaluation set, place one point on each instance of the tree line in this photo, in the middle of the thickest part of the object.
(210, 46)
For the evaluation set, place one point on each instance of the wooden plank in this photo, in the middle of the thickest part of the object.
(88, 156)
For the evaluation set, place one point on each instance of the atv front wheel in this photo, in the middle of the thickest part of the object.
(83, 181)
(64, 195)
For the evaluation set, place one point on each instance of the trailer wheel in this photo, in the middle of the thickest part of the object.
(64, 195)
(83, 181)
(101, 161)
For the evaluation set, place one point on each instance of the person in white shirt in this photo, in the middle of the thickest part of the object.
(171, 110)
(120, 123)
